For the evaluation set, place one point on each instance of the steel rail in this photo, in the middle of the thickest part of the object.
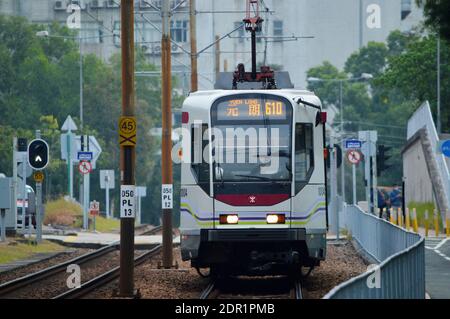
(18, 283)
(104, 278)
(298, 289)
(208, 290)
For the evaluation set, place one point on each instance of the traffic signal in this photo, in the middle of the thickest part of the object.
(38, 154)
(338, 155)
(22, 144)
(382, 158)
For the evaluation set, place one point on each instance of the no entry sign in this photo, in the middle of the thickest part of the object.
(354, 157)
(85, 167)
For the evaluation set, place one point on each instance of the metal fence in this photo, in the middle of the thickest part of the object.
(400, 273)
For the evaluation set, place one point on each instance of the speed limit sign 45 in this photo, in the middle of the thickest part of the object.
(127, 201)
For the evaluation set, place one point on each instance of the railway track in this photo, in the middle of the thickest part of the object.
(11, 288)
(264, 288)
(105, 278)
(46, 273)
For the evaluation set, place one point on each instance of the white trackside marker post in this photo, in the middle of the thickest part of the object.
(127, 201)
(167, 196)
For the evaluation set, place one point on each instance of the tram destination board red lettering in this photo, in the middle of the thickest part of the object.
(247, 109)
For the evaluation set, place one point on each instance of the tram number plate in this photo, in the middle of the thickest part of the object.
(127, 201)
(167, 196)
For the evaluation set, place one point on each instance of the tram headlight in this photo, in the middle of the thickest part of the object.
(229, 219)
(275, 219)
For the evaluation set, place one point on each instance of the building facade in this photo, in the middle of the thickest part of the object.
(297, 34)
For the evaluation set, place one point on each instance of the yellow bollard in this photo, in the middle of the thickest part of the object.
(407, 221)
(426, 223)
(436, 223)
(400, 217)
(447, 224)
(392, 216)
(415, 226)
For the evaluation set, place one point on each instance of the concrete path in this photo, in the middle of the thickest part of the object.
(85, 238)
(437, 267)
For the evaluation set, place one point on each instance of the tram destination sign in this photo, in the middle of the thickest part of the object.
(247, 109)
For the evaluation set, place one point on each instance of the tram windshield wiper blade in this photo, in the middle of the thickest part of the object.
(256, 177)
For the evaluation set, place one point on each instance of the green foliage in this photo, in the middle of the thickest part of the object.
(40, 87)
(437, 15)
(370, 59)
(405, 75)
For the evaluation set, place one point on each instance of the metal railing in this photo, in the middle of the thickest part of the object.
(400, 272)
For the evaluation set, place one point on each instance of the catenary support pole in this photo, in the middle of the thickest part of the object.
(166, 161)
(127, 153)
(354, 184)
(341, 104)
(193, 38)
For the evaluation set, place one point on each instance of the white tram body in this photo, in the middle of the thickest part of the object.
(234, 216)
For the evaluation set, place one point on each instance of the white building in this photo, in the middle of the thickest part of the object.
(338, 29)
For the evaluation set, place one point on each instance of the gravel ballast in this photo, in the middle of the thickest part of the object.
(342, 263)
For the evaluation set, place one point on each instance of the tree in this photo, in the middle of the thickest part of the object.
(39, 88)
(437, 13)
(369, 59)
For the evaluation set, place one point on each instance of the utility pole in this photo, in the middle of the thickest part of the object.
(438, 117)
(39, 212)
(127, 153)
(193, 39)
(217, 58)
(333, 185)
(166, 161)
(81, 83)
(341, 104)
(361, 24)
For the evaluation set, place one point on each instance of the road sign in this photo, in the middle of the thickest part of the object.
(445, 148)
(94, 208)
(353, 144)
(141, 191)
(94, 147)
(107, 179)
(167, 196)
(38, 154)
(28, 172)
(354, 157)
(38, 177)
(85, 156)
(69, 125)
(85, 167)
(127, 131)
(127, 201)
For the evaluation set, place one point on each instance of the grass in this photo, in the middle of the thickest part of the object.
(23, 250)
(105, 225)
(421, 208)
